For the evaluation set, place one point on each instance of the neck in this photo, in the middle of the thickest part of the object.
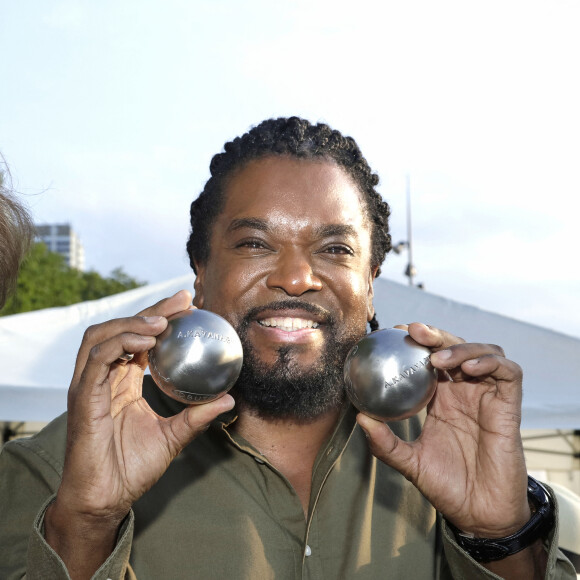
(290, 445)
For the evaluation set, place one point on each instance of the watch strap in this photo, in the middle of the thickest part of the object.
(491, 549)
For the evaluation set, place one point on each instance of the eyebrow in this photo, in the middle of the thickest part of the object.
(253, 223)
(329, 230)
(323, 231)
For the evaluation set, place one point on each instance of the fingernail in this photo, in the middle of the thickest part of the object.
(180, 292)
(360, 419)
(152, 319)
(442, 355)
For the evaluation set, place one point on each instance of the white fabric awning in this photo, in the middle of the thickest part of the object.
(38, 349)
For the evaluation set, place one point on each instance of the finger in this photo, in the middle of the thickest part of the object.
(93, 386)
(184, 427)
(432, 337)
(143, 325)
(179, 301)
(453, 356)
(504, 375)
(496, 367)
(387, 447)
(125, 358)
(153, 316)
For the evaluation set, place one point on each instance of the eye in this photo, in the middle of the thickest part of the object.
(251, 244)
(338, 249)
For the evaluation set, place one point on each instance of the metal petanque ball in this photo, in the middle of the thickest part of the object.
(388, 375)
(197, 358)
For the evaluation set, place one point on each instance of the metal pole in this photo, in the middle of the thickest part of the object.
(410, 267)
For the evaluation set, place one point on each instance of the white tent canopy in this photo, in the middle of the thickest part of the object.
(38, 349)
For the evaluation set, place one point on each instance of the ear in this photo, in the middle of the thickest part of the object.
(198, 296)
(371, 292)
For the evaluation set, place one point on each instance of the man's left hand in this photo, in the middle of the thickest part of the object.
(469, 460)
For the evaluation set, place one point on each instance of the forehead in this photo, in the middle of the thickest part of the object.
(294, 192)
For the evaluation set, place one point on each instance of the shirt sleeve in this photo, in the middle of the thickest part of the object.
(30, 474)
(44, 562)
(464, 566)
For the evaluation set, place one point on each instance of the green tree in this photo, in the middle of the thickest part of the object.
(94, 286)
(46, 280)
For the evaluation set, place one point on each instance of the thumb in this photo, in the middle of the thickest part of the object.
(387, 447)
(194, 419)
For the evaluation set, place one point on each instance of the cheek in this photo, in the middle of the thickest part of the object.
(247, 276)
(231, 291)
(352, 291)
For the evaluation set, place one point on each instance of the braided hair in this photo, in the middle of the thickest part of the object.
(293, 137)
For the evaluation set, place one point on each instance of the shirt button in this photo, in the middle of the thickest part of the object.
(307, 551)
(258, 460)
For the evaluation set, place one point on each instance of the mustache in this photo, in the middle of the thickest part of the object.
(322, 313)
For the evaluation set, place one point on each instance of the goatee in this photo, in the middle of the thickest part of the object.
(283, 390)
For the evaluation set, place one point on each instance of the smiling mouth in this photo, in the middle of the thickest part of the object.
(288, 324)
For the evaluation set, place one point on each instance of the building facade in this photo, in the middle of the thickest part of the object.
(61, 238)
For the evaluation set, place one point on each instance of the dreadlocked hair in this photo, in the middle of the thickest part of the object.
(293, 137)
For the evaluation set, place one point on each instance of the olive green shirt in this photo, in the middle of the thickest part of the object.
(222, 511)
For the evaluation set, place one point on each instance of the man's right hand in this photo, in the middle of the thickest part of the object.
(117, 447)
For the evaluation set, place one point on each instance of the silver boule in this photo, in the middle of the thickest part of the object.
(197, 358)
(389, 376)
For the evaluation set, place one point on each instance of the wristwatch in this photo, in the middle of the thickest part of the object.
(491, 549)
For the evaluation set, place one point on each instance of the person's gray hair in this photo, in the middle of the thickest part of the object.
(16, 234)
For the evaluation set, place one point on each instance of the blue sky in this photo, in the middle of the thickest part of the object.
(110, 112)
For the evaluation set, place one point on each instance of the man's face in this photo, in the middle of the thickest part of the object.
(289, 267)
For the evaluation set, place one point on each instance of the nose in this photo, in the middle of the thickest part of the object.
(293, 274)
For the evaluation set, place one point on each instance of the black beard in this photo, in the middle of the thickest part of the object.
(283, 390)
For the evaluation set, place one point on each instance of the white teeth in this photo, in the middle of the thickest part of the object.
(289, 324)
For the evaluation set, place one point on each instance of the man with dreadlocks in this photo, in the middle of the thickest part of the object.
(281, 479)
